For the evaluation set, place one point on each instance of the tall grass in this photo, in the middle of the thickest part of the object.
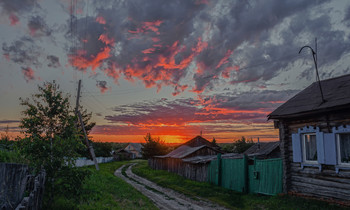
(103, 190)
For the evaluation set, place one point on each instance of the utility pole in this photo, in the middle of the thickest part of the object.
(77, 112)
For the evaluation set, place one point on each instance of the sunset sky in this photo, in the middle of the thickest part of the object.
(170, 68)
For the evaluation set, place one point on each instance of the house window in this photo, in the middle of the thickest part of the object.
(309, 148)
(344, 148)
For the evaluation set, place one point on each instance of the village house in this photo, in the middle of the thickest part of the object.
(135, 149)
(179, 160)
(315, 140)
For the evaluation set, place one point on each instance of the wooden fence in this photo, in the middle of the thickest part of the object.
(254, 176)
(194, 171)
(18, 188)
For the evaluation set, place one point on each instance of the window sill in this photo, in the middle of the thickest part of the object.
(341, 167)
(316, 165)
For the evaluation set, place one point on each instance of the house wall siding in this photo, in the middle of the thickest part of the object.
(310, 180)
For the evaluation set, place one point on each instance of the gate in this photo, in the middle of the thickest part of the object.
(264, 176)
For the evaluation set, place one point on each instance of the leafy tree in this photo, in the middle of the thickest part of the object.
(153, 147)
(242, 145)
(51, 135)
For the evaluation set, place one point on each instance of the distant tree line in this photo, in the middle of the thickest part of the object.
(238, 146)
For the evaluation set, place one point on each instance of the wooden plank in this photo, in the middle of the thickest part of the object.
(321, 191)
(322, 182)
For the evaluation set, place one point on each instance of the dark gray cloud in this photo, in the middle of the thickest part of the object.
(54, 61)
(9, 121)
(38, 27)
(102, 85)
(23, 51)
(15, 8)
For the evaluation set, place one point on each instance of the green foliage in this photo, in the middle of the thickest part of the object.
(51, 136)
(70, 181)
(242, 145)
(103, 190)
(153, 147)
(11, 156)
(214, 141)
(238, 146)
(103, 149)
(228, 198)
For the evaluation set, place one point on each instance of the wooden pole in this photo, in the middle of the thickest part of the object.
(91, 149)
(77, 112)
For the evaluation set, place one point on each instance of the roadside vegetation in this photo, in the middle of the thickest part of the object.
(225, 197)
(102, 190)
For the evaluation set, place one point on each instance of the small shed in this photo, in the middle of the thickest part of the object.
(315, 140)
(178, 161)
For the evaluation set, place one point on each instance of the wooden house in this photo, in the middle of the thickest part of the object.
(123, 154)
(135, 149)
(315, 140)
(179, 160)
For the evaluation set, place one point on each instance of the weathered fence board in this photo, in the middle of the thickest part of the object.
(15, 180)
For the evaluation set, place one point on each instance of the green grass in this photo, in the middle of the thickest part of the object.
(103, 190)
(225, 197)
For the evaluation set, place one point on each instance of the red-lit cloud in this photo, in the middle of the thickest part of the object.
(14, 19)
(28, 74)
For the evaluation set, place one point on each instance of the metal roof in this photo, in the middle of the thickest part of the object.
(262, 148)
(189, 147)
(336, 93)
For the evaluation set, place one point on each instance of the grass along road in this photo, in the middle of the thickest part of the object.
(162, 197)
(224, 197)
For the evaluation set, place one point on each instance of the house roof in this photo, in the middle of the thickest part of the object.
(189, 147)
(336, 93)
(182, 151)
(262, 148)
(199, 141)
(136, 146)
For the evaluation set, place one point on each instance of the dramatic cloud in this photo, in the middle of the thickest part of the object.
(243, 108)
(242, 42)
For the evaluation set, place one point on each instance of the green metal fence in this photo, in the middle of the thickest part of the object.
(264, 176)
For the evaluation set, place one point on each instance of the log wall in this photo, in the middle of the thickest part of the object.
(309, 180)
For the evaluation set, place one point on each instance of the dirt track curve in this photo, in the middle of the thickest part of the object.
(163, 198)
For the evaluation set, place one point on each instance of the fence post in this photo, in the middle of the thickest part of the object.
(245, 174)
(219, 169)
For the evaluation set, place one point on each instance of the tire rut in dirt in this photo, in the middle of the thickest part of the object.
(162, 197)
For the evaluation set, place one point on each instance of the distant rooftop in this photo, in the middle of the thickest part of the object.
(189, 147)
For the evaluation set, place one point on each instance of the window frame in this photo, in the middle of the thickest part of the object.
(303, 147)
(339, 162)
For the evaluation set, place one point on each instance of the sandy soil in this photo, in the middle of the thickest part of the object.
(163, 198)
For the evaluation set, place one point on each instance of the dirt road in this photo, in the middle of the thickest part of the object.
(162, 197)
